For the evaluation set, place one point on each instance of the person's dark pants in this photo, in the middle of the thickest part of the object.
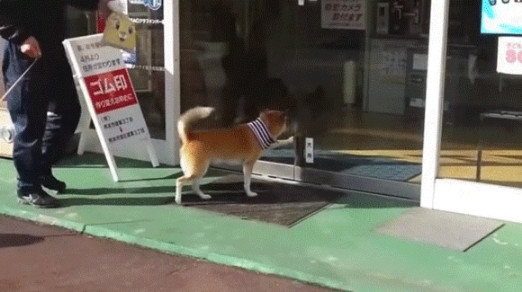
(40, 138)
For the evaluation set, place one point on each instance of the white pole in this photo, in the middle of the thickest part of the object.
(172, 77)
(434, 99)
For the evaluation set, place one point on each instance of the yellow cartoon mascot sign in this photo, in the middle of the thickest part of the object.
(120, 32)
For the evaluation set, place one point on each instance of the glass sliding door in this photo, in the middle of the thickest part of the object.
(224, 64)
(351, 94)
(482, 129)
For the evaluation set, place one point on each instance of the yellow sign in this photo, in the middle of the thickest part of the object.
(120, 32)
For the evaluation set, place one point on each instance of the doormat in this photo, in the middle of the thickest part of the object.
(276, 203)
(389, 171)
(376, 167)
(449, 230)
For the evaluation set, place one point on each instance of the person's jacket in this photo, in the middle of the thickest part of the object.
(42, 19)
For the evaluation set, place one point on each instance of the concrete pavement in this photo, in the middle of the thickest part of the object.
(44, 258)
(337, 247)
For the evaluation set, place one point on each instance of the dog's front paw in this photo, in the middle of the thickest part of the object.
(251, 194)
(205, 196)
(178, 200)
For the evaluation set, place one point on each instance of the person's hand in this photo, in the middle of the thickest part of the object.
(31, 48)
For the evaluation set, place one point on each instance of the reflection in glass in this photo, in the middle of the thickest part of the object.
(482, 130)
(243, 56)
(147, 65)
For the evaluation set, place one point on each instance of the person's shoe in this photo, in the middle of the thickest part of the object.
(50, 182)
(38, 199)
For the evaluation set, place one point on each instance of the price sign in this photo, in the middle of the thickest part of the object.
(509, 56)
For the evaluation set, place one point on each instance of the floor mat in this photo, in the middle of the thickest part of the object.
(277, 203)
(377, 167)
(400, 172)
(445, 229)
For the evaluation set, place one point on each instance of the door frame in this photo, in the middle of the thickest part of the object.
(459, 196)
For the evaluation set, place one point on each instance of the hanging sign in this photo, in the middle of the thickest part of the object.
(501, 17)
(509, 55)
(109, 95)
(119, 28)
(115, 5)
(343, 14)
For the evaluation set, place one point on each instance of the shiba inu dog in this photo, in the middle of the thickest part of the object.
(244, 142)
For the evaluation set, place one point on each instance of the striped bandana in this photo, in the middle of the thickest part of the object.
(261, 132)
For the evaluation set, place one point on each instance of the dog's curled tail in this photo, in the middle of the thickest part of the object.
(189, 117)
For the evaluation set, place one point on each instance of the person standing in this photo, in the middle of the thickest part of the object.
(34, 30)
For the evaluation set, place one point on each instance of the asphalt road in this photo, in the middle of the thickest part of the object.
(45, 258)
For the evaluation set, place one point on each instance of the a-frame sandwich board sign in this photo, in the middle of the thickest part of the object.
(106, 87)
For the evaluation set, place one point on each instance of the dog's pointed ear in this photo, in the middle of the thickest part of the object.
(264, 112)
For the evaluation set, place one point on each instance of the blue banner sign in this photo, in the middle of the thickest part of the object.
(501, 17)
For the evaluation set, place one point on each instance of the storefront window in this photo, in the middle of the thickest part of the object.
(482, 123)
(146, 67)
(343, 79)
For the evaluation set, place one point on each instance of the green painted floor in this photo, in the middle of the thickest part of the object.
(336, 247)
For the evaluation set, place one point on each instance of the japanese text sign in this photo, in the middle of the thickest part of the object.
(108, 90)
(93, 57)
(343, 14)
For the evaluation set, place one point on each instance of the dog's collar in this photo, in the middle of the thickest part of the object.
(261, 132)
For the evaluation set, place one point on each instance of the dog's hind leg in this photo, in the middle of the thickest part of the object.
(248, 166)
(195, 187)
(180, 182)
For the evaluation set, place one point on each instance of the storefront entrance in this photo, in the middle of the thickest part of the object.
(349, 116)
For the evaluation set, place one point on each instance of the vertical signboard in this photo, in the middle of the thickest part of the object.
(109, 95)
(343, 14)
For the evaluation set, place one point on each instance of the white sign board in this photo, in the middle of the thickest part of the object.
(343, 14)
(509, 55)
(109, 95)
